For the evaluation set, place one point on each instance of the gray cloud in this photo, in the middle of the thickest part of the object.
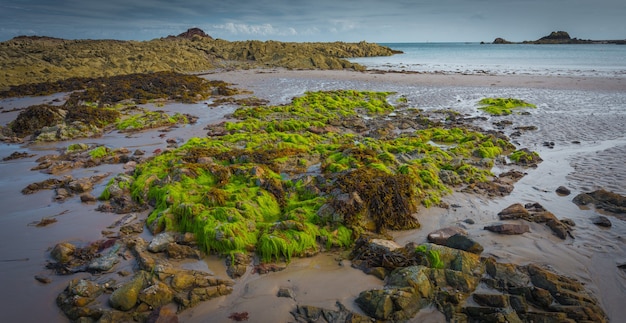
(321, 20)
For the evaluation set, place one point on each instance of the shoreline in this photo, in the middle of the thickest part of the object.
(590, 257)
(565, 82)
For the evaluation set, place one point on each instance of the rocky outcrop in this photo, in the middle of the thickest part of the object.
(560, 37)
(509, 292)
(42, 59)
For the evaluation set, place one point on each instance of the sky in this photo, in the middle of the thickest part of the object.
(315, 20)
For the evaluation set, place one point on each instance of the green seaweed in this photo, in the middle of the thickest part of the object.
(244, 190)
(502, 106)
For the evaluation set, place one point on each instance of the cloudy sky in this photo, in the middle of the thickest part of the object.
(315, 20)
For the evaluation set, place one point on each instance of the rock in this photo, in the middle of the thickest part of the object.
(307, 313)
(237, 264)
(156, 295)
(177, 251)
(87, 198)
(63, 252)
(514, 212)
(106, 262)
(285, 292)
(162, 315)
(75, 301)
(602, 221)
(394, 304)
(442, 235)
(462, 242)
(608, 201)
(509, 228)
(416, 277)
(126, 296)
(491, 300)
(563, 191)
(43, 279)
(160, 242)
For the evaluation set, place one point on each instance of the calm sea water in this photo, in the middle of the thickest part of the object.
(475, 58)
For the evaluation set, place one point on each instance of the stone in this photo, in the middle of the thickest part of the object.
(416, 277)
(87, 198)
(563, 191)
(63, 252)
(462, 242)
(491, 300)
(602, 221)
(160, 242)
(442, 235)
(286, 292)
(162, 315)
(156, 295)
(395, 304)
(177, 251)
(514, 212)
(508, 228)
(126, 296)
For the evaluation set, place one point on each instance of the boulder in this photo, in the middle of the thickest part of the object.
(416, 277)
(509, 228)
(63, 252)
(463, 242)
(126, 296)
(160, 242)
(393, 304)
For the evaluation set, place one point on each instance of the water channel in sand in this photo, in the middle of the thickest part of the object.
(594, 118)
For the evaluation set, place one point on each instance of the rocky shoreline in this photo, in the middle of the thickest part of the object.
(445, 273)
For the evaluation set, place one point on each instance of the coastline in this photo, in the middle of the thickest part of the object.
(585, 83)
(591, 263)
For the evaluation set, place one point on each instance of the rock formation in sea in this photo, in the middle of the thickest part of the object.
(559, 37)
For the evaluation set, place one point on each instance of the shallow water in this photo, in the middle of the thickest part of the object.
(593, 118)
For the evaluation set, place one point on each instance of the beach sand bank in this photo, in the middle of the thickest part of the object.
(589, 111)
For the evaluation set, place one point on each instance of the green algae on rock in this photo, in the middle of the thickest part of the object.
(502, 106)
(290, 180)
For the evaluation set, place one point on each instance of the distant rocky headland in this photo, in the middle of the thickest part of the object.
(36, 59)
(560, 37)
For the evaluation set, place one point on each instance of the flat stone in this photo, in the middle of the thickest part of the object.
(509, 228)
(462, 242)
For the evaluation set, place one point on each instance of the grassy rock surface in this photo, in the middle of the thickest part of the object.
(42, 59)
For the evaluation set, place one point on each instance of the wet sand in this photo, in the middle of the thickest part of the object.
(591, 111)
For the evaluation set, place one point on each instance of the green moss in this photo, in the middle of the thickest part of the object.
(433, 256)
(502, 106)
(99, 152)
(148, 120)
(252, 194)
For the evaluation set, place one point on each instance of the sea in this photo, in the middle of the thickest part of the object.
(604, 60)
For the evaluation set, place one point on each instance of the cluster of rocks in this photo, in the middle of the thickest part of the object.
(535, 212)
(157, 283)
(464, 286)
(560, 37)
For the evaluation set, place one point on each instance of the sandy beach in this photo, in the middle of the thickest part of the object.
(583, 116)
